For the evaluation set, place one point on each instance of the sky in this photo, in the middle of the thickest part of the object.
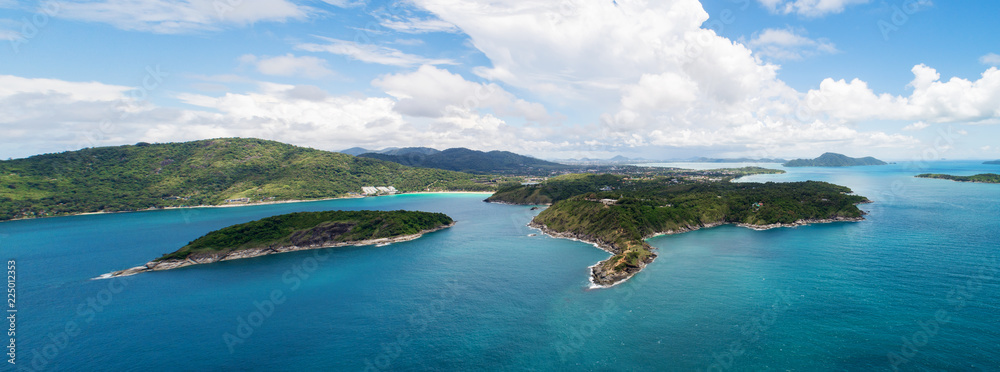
(668, 79)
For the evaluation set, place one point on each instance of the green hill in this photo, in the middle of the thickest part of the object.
(834, 160)
(979, 178)
(311, 229)
(472, 161)
(619, 220)
(207, 172)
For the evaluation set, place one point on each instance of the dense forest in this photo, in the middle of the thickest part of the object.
(620, 219)
(979, 178)
(566, 186)
(312, 228)
(207, 172)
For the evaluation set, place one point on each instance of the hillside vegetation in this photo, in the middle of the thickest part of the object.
(208, 172)
(979, 178)
(312, 228)
(620, 220)
(566, 186)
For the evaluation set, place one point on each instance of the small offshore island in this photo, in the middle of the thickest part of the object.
(831, 159)
(296, 232)
(979, 178)
(618, 213)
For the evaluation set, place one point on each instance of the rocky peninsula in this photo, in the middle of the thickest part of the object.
(619, 218)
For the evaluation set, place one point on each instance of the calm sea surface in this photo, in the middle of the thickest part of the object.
(916, 286)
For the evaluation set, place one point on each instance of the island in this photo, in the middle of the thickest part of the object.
(979, 178)
(834, 160)
(296, 232)
(619, 216)
(993, 162)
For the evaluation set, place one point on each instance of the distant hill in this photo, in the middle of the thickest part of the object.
(409, 151)
(738, 160)
(834, 160)
(472, 161)
(208, 172)
(355, 151)
(994, 162)
(616, 160)
(389, 151)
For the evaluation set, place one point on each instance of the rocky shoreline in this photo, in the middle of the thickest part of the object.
(257, 252)
(601, 276)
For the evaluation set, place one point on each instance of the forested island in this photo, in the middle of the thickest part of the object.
(979, 178)
(834, 160)
(630, 210)
(224, 171)
(296, 232)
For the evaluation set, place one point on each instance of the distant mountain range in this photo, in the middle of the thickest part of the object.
(994, 162)
(390, 151)
(466, 160)
(738, 160)
(617, 160)
(834, 160)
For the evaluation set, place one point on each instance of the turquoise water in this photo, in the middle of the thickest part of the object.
(484, 295)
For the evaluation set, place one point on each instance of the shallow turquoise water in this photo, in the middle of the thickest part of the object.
(484, 295)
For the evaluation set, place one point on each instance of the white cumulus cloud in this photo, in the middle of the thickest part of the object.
(370, 53)
(433, 92)
(174, 17)
(809, 8)
(289, 65)
(991, 59)
(788, 44)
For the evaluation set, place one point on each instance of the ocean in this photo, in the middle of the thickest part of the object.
(916, 286)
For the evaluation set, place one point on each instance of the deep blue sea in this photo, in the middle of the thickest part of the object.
(914, 287)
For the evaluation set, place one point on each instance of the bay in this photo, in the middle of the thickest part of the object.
(484, 295)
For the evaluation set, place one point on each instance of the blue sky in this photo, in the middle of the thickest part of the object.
(901, 80)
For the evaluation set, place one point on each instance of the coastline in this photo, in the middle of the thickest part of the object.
(595, 268)
(605, 247)
(955, 180)
(289, 201)
(257, 252)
